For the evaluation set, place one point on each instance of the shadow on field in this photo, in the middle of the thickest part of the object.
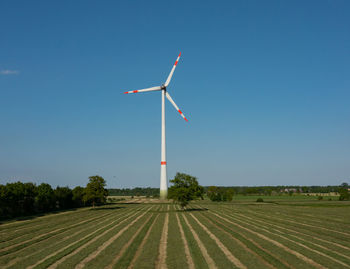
(107, 208)
(22, 218)
(34, 216)
(194, 209)
(131, 203)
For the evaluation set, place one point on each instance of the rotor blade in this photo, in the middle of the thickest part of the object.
(145, 90)
(177, 108)
(172, 71)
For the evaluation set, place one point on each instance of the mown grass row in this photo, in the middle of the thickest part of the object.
(103, 252)
(44, 247)
(320, 253)
(30, 249)
(325, 232)
(39, 224)
(223, 236)
(302, 236)
(14, 237)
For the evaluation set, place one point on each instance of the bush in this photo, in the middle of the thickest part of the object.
(320, 198)
(344, 194)
(217, 194)
(260, 200)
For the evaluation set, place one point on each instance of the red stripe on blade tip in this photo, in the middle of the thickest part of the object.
(180, 111)
(175, 63)
(126, 92)
(134, 91)
(185, 119)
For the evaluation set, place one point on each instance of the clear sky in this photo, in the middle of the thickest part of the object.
(265, 86)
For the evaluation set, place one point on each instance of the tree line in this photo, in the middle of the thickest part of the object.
(148, 192)
(275, 190)
(216, 194)
(227, 192)
(21, 199)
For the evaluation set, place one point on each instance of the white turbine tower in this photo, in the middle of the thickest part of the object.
(163, 88)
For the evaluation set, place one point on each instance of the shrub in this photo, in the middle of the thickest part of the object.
(260, 200)
(320, 198)
(344, 194)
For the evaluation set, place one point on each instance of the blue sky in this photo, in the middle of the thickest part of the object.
(265, 86)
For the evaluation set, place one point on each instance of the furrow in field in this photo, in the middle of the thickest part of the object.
(139, 250)
(258, 246)
(16, 260)
(4, 250)
(267, 230)
(27, 246)
(81, 240)
(126, 246)
(315, 217)
(15, 223)
(12, 237)
(222, 247)
(310, 225)
(280, 263)
(187, 250)
(58, 241)
(276, 243)
(105, 244)
(204, 251)
(240, 243)
(290, 231)
(161, 260)
(301, 233)
(21, 232)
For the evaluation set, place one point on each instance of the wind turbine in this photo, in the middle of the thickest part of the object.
(163, 88)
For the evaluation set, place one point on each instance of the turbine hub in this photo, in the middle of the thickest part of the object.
(163, 87)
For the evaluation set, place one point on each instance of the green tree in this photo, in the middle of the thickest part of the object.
(30, 191)
(14, 196)
(185, 188)
(78, 196)
(45, 199)
(64, 197)
(95, 193)
(229, 195)
(3, 202)
(344, 194)
(214, 194)
(344, 185)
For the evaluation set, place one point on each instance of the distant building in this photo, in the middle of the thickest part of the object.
(290, 190)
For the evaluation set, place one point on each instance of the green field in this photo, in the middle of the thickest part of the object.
(282, 232)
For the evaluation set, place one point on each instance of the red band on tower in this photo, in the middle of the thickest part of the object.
(162, 163)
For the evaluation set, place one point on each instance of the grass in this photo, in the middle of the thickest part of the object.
(282, 232)
(176, 251)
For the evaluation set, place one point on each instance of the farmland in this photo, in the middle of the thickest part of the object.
(141, 233)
